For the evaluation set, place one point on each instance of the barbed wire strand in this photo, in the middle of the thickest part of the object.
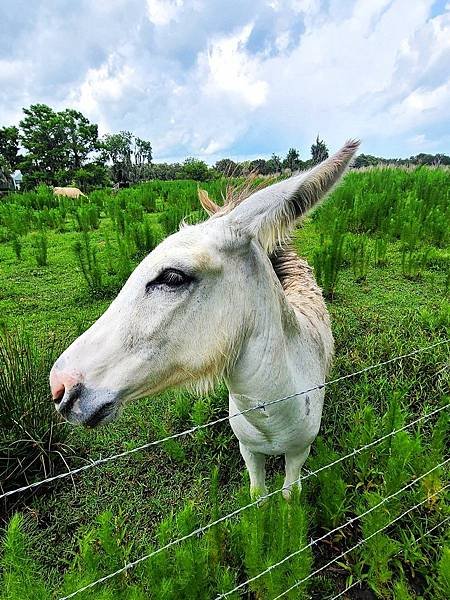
(354, 584)
(415, 541)
(191, 430)
(331, 532)
(201, 530)
(361, 542)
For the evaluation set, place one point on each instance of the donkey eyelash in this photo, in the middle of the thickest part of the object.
(173, 278)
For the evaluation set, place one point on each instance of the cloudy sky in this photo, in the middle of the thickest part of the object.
(236, 78)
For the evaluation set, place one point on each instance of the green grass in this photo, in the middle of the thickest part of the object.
(375, 317)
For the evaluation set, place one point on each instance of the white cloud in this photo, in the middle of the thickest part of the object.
(201, 77)
(232, 70)
(343, 78)
(102, 86)
(162, 12)
(421, 107)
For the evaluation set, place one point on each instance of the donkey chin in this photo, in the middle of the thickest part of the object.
(82, 405)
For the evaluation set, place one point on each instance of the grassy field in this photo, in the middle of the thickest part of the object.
(380, 247)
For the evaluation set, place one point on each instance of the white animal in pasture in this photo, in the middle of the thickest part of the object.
(69, 192)
(223, 298)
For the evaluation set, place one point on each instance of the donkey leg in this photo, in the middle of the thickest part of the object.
(294, 463)
(256, 466)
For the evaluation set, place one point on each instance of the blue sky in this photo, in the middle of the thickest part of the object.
(238, 78)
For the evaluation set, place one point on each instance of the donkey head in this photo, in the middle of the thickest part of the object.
(182, 316)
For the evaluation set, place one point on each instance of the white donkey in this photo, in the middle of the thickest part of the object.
(222, 298)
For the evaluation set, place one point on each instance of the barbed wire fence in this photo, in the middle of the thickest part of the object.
(261, 406)
(201, 530)
(415, 541)
(335, 530)
(191, 430)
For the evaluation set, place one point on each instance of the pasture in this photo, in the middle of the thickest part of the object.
(380, 248)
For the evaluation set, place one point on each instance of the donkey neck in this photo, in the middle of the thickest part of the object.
(262, 370)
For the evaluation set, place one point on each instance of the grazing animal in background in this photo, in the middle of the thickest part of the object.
(69, 192)
(223, 298)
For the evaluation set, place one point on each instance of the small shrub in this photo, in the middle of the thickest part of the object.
(376, 553)
(260, 543)
(443, 578)
(39, 245)
(380, 252)
(328, 261)
(331, 498)
(17, 246)
(173, 447)
(413, 261)
(87, 218)
(87, 260)
(20, 579)
(124, 263)
(143, 236)
(359, 254)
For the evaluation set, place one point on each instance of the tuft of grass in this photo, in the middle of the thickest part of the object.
(39, 246)
(32, 440)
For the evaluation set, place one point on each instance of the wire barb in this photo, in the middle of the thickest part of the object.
(192, 430)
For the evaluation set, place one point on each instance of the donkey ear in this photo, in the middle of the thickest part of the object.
(270, 213)
(210, 206)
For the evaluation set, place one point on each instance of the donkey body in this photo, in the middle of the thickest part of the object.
(223, 298)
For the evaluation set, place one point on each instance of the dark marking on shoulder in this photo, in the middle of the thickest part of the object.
(307, 404)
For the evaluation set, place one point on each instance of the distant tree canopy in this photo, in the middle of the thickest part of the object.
(129, 156)
(319, 151)
(57, 145)
(365, 160)
(227, 167)
(195, 169)
(63, 148)
(274, 164)
(292, 160)
(9, 148)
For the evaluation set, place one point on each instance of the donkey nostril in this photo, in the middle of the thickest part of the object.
(58, 394)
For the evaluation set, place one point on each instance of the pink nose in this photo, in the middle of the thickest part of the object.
(60, 381)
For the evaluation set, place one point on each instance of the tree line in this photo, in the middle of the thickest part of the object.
(60, 148)
(63, 148)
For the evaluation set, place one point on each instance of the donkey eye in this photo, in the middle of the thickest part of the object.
(172, 278)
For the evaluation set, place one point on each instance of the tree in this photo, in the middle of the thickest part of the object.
(42, 137)
(57, 144)
(142, 152)
(365, 160)
(292, 160)
(259, 166)
(92, 175)
(129, 156)
(227, 167)
(116, 149)
(81, 137)
(142, 158)
(166, 171)
(195, 169)
(9, 147)
(5, 170)
(319, 151)
(274, 164)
